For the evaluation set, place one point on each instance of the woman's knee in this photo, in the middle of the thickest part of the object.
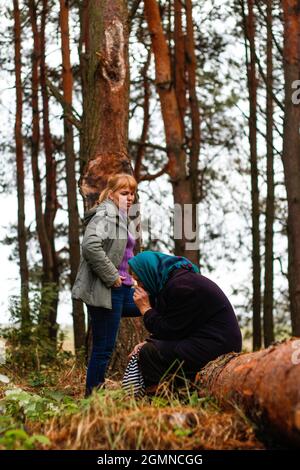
(146, 349)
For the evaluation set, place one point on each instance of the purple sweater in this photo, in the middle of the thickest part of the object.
(123, 268)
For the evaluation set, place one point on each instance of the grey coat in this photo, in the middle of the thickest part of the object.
(103, 248)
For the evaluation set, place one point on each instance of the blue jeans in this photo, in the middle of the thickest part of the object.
(105, 324)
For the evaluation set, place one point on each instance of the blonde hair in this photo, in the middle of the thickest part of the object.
(116, 182)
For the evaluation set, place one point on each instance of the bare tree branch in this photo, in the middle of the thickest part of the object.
(148, 144)
(68, 113)
(156, 175)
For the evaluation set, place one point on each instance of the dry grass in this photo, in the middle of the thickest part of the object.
(104, 425)
(110, 420)
(69, 379)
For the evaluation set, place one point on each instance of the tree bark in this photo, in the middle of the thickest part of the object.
(51, 204)
(73, 216)
(104, 135)
(179, 62)
(105, 69)
(291, 151)
(195, 138)
(176, 167)
(44, 243)
(51, 198)
(269, 231)
(146, 109)
(22, 238)
(83, 52)
(265, 384)
(249, 27)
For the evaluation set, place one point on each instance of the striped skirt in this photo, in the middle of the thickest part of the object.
(133, 381)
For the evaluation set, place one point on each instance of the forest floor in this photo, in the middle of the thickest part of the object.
(45, 409)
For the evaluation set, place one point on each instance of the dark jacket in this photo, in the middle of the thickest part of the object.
(193, 320)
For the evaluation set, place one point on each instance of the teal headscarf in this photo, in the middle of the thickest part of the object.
(153, 268)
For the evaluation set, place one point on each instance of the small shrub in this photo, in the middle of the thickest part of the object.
(28, 344)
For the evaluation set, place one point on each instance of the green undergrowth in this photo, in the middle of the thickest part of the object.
(43, 412)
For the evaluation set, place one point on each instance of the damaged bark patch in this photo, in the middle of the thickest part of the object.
(97, 172)
(113, 58)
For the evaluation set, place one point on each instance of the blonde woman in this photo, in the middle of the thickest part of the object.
(103, 281)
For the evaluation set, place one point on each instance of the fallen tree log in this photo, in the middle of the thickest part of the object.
(264, 384)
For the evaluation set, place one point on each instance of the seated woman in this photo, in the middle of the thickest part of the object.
(190, 319)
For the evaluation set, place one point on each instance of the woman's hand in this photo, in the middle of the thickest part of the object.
(119, 281)
(136, 349)
(141, 299)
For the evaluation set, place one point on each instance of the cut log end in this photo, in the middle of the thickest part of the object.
(265, 384)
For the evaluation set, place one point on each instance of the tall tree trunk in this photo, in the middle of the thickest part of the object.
(179, 62)
(51, 277)
(264, 384)
(105, 112)
(269, 232)
(45, 245)
(176, 167)
(146, 108)
(73, 222)
(195, 139)
(22, 239)
(83, 52)
(249, 27)
(291, 151)
(104, 135)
